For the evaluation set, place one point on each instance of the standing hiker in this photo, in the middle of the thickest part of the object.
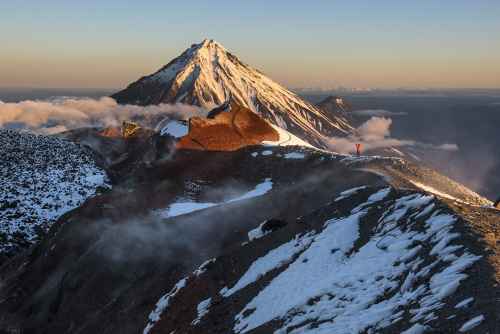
(358, 149)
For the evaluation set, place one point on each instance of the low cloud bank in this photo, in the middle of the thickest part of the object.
(375, 134)
(69, 113)
(377, 112)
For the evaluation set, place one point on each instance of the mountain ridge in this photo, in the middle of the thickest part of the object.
(115, 263)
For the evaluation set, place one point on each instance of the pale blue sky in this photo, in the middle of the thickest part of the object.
(299, 43)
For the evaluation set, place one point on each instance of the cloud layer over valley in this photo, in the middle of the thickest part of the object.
(62, 114)
(65, 113)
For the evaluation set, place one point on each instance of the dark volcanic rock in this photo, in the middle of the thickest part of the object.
(273, 224)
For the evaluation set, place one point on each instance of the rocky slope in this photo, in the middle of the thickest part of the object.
(41, 178)
(375, 260)
(207, 75)
(298, 240)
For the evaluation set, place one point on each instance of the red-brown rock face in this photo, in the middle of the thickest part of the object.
(227, 131)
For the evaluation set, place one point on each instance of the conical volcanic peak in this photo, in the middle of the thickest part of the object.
(334, 104)
(207, 75)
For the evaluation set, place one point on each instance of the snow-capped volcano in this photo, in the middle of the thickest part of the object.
(208, 75)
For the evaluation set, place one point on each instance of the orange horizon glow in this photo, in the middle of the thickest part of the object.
(323, 44)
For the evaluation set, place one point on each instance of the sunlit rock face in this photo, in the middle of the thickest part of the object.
(228, 131)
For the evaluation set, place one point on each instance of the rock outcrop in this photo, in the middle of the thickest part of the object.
(227, 130)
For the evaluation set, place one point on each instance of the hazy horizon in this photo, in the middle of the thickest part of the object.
(324, 44)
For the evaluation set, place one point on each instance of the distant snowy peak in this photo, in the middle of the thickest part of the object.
(207, 75)
(334, 104)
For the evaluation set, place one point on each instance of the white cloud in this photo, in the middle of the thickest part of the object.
(375, 128)
(375, 134)
(68, 113)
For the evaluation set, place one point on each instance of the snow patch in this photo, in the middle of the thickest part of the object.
(286, 139)
(260, 189)
(474, 322)
(175, 129)
(202, 309)
(182, 208)
(465, 303)
(415, 329)
(434, 191)
(294, 155)
(348, 193)
(360, 288)
(257, 232)
(273, 259)
(162, 304)
(203, 267)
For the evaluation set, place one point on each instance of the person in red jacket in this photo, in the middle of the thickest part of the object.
(358, 149)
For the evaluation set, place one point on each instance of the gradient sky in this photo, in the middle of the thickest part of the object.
(384, 44)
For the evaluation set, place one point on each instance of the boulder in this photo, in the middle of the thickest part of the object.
(273, 224)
